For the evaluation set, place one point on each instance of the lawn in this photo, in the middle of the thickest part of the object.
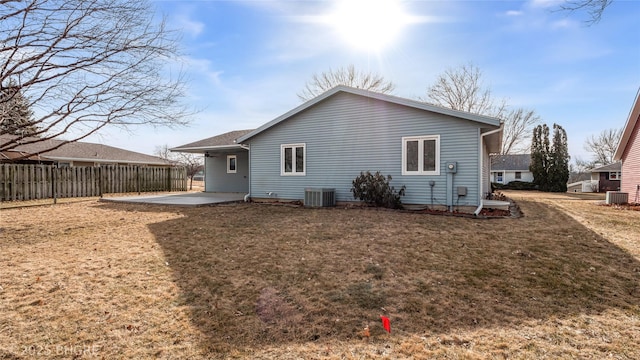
(105, 280)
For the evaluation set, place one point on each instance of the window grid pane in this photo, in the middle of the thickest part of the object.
(429, 152)
(288, 159)
(299, 159)
(412, 156)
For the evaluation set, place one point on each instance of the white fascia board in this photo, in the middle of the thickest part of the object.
(203, 149)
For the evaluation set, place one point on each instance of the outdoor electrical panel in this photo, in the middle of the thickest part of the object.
(452, 167)
(462, 191)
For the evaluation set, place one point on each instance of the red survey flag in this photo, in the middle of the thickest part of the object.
(386, 323)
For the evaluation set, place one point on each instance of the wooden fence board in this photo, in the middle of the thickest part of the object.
(29, 182)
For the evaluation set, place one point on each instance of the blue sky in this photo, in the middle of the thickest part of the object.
(247, 60)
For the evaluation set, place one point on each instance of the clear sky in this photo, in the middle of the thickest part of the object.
(247, 60)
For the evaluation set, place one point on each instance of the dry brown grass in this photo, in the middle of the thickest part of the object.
(266, 281)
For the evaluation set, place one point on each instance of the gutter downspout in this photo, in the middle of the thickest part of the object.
(481, 167)
(246, 147)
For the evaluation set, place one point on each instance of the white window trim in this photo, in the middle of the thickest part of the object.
(229, 157)
(293, 159)
(420, 140)
(616, 174)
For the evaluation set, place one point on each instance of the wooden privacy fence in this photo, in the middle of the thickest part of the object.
(29, 182)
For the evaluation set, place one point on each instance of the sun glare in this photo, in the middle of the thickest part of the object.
(368, 24)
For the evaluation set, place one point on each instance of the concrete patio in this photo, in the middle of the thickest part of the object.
(181, 199)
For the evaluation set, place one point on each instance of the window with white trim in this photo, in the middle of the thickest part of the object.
(614, 175)
(293, 161)
(518, 175)
(232, 164)
(421, 155)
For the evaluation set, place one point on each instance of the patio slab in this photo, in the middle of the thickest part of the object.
(181, 199)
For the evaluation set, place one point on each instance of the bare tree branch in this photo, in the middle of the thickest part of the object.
(518, 125)
(348, 76)
(603, 146)
(193, 163)
(87, 64)
(462, 89)
(595, 8)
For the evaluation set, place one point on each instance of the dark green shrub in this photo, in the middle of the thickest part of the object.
(514, 185)
(374, 189)
(520, 185)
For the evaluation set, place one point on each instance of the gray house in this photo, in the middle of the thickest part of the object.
(440, 155)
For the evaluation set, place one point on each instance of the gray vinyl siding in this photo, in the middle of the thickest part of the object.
(217, 179)
(347, 133)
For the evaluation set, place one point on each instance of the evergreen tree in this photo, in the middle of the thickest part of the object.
(559, 164)
(16, 117)
(540, 157)
(550, 163)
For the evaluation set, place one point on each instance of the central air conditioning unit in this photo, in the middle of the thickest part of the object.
(617, 197)
(319, 197)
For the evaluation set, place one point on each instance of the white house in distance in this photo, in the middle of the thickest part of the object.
(508, 168)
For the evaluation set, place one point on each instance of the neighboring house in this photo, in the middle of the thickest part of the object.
(606, 178)
(76, 154)
(440, 155)
(601, 179)
(628, 152)
(508, 168)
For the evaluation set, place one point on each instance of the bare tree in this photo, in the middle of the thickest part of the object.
(87, 64)
(348, 76)
(595, 8)
(517, 127)
(462, 89)
(194, 163)
(603, 146)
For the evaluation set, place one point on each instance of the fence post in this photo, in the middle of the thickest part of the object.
(54, 180)
(100, 181)
(138, 178)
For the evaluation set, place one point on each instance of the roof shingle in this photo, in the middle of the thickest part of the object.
(518, 162)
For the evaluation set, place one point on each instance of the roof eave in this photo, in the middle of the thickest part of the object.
(203, 149)
(634, 114)
(373, 95)
(108, 161)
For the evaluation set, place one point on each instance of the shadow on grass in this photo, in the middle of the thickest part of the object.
(256, 275)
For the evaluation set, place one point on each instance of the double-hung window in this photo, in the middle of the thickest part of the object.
(421, 155)
(293, 159)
